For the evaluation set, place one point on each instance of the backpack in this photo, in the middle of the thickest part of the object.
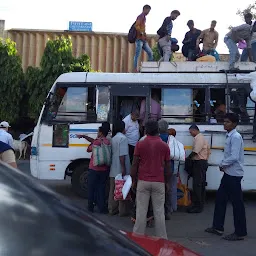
(132, 35)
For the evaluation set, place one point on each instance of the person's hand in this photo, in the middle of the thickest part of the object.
(123, 172)
(80, 136)
(221, 169)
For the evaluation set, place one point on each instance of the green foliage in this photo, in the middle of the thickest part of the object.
(249, 9)
(11, 81)
(157, 56)
(57, 59)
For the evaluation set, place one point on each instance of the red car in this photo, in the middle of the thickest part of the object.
(36, 221)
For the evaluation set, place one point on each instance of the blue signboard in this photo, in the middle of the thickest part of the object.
(80, 26)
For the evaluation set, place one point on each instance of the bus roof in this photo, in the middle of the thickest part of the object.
(149, 78)
(193, 66)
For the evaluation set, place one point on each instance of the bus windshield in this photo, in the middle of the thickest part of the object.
(78, 104)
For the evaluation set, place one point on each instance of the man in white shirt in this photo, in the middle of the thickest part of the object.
(132, 131)
(120, 165)
(4, 135)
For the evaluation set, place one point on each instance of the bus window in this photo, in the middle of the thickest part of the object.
(199, 112)
(218, 104)
(241, 104)
(102, 103)
(73, 104)
(60, 135)
(177, 105)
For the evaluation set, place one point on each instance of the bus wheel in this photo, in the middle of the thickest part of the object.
(79, 179)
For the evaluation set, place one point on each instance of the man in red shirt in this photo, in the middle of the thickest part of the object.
(151, 158)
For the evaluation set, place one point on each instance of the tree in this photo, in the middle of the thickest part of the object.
(56, 60)
(11, 81)
(250, 9)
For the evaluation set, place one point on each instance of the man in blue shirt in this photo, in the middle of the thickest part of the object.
(165, 32)
(189, 49)
(230, 187)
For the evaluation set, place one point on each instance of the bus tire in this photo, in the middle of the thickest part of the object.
(79, 179)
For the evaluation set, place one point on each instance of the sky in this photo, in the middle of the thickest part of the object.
(119, 15)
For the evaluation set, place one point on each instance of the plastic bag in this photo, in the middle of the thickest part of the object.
(177, 149)
(242, 44)
(122, 187)
(183, 194)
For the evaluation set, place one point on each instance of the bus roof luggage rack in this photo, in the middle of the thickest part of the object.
(194, 66)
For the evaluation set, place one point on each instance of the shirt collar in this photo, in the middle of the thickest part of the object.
(231, 132)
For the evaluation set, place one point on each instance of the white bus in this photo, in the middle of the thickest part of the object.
(190, 92)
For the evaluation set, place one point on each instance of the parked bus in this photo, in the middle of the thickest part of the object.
(189, 93)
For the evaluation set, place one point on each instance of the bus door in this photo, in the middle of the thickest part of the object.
(125, 98)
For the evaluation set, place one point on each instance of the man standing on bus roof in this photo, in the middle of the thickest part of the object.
(200, 154)
(230, 186)
(141, 38)
(165, 32)
(132, 130)
(237, 34)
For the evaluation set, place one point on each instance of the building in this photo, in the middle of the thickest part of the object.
(109, 52)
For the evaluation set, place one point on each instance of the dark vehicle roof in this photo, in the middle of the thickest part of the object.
(36, 221)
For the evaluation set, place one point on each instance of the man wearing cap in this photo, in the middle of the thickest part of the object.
(5, 136)
(189, 42)
(7, 154)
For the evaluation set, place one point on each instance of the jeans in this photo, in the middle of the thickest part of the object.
(97, 181)
(244, 56)
(142, 44)
(192, 54)
(166, 45)
(234, 54)
(155, 191)
(230, 189)
(213, 53)
(199, 182)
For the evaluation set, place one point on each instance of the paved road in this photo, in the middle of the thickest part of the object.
(183, 228)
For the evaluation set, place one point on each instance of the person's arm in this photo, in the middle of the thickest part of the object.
(216, 41)
(186, 39)
(94, 143)
(79, 136)
(123, 152)
(198, 146)
(135, 163)
(236, 145)
(201, 36)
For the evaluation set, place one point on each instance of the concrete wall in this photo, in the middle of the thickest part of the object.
(109, 52)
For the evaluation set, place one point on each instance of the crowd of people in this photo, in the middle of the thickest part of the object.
(243, 37)
(148, 161)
